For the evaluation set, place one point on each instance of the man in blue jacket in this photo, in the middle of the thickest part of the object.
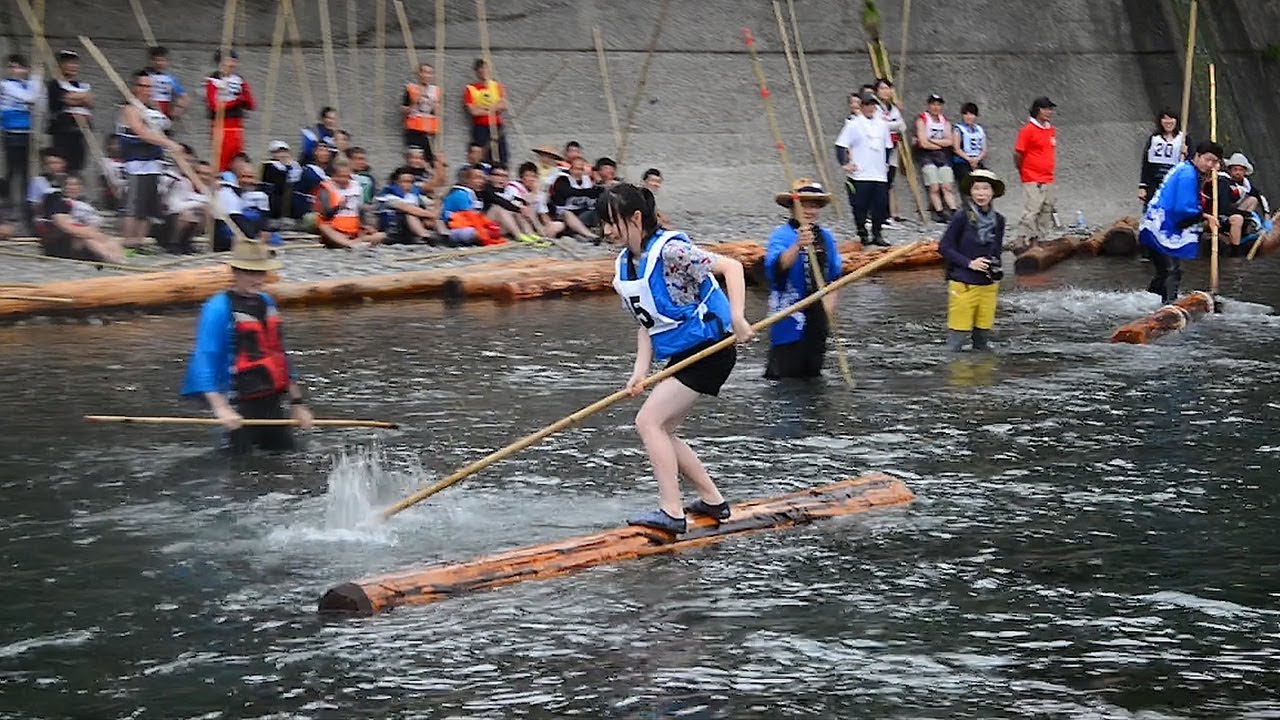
(971, 247)
(1170, 226)
(239, 365)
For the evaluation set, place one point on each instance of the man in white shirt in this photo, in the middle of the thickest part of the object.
(862, 149)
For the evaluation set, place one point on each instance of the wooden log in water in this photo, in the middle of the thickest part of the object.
(152, 290)
(418, 586)
(1119, 240)
(1045, 255)
(1168, 319)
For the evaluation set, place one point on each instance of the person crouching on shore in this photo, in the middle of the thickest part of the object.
(971, 247)
(239, 365)
(798, 344)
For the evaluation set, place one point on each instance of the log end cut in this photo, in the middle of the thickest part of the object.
(346, 599)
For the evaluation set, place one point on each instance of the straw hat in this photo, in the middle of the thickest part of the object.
(997, 185)
(549, 152)
(1240, 160)
(253, 255)
(803, 189)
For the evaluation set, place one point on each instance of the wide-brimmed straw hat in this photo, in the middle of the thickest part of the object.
(997, 185)
(803, 189)
(253, 255)
(549, 152)
(1240, 160)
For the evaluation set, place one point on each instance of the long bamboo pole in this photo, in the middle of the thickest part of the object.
(519, 112)
(608, 89)
(220, 110)
(652, 380)
(441, 104)
(644, 79)
(100, 265)
(380, 65)
(797, 85)
(482, 18)
(38, 107)
(273, 76)
(355, 108)
(814, 267)
(1257, 243)
(902, 51)
(143, 25)
(1213, 136)
(37, 298)
(299, 63)
(153, 420)
(1188, 63)
(811, 97)
(330, 66)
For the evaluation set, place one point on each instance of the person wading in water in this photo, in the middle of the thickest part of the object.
(239, 365)
(1170, 227)
(798, 344)
(666, 284)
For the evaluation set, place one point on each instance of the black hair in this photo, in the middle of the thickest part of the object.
(527, 167)
(422, 65)
(158, 51)
(188, 149)
(402, 170)
(881, 81)
(19, 59)
(651, 172)
(969, 108)
(621, 201)
(326, 110)
(606, 161)
(479, 63)
(1168, 112)
(241, 156)
(573, 144)
(49, 152)
(356, 150)
(1209, 147)
(474, 145)
(494, 167)
(203, 163)
(140, 74)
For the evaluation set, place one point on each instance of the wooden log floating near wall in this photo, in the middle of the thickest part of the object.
(1045, 255)
(1119, 240)
(419, 586)
(1168, 319)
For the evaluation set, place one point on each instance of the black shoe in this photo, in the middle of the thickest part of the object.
(862, 239)
(716, 512)
(660, 520)
(878, 240)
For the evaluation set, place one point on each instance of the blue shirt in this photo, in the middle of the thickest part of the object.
(786, 287)
(459, 199)
(209, 368)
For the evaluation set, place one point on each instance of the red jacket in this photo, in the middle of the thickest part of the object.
(1038, 146)
(235, 100)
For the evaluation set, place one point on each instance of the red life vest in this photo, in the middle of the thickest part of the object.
(260, 369)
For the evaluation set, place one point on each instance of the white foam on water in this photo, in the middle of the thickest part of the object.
(1074, 303)
(67, 639)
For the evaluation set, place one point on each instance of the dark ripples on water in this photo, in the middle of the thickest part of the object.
(1092, 536)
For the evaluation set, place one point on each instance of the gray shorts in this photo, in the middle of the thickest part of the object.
(144, 197)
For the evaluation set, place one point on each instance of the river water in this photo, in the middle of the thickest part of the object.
(1093, 534)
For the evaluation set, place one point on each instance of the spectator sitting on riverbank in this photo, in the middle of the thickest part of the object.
(548, 164)
(401, 212)
(279, 175)
(339, 211)
(240, 199)
(362, 173)
(463, 211)
(53, 167)
(652, 179)
(324, 132)
(313, 173)
(476, 155)
(68, 226)
(112, 179)
(605, 173)
(573, 200)
(186, 208)
(502, 210)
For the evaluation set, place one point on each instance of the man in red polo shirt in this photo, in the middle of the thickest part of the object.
(1034, 154)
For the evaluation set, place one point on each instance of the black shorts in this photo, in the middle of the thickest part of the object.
(274, 438)
(144, 197)
(708, 374)
(805, 357)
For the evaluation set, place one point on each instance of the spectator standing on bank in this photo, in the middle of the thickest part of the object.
(971, 145)
(420, 108)
(226, 89)
(68, 98)
(486, 102)
(1165, 149)
(18, 95)
(892, 116)
(935, 141)
(1035, 156)
(142, 146)
(171, 98)
(862, 150)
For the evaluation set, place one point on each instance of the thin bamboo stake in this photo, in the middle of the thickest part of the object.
(38, 107)
(1257, 242)
(608, 89)
(652, 380)
(380, 64)
(330, 67)
(273, 76)
(152, 420)
(143, 25)
(356, 109)
(440, 104)
(483, 19)
(902, 51)
(38, 298)
(299, 63)
(220, 110)
(465, 252)
(88, 263)
(798, 86)
(823, 168)
(1187, 72)
(1213, 136)
(644, 78)
(814, 268)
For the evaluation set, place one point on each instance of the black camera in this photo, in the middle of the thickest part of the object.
(995, 270)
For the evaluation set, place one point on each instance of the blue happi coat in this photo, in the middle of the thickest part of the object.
(1171, 224)
(786, 287)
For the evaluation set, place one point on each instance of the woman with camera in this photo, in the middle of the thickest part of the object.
(971, 247)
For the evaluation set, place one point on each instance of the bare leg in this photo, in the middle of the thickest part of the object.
(101, 245)
(505, 221)
(552, 229)
(134, 231)
(373, 237)
(949, 196)
(935, 197)
(1236, 223)
(333, 238)
(1249, 204)
(667, 404)
(573, 223)
(416, 227)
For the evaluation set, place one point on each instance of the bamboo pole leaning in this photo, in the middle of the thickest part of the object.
(143, 25)
(269, 422)
(482, 19)
(38, 107)
(608, 89)
(604, 403)
(98, 264)
(841, 210)
(380, 64)
(904, 150)
(440, 105)
(356, 107)
(330, 66)
(1188, 63)
(299, 63)
(814, 267)
(273, 76)
(1213, 136)
(644, 79)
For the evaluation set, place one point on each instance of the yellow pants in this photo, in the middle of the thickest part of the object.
(970, 306)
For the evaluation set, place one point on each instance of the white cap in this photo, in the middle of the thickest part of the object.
(277, 146)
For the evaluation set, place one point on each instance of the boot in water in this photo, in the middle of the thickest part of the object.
(981, 339)
(956, 340)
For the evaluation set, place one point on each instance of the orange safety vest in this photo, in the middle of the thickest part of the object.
(260, 369)
(339, 207)
(420, 119)
(487, 231)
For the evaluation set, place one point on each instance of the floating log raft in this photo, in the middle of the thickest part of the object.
(1168, 319)
(420, 586)
(1119, 240)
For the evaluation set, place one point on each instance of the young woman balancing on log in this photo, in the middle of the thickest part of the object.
(667, 284)
(239, 366)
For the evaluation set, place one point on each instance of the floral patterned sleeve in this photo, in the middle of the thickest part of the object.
(685, 266)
